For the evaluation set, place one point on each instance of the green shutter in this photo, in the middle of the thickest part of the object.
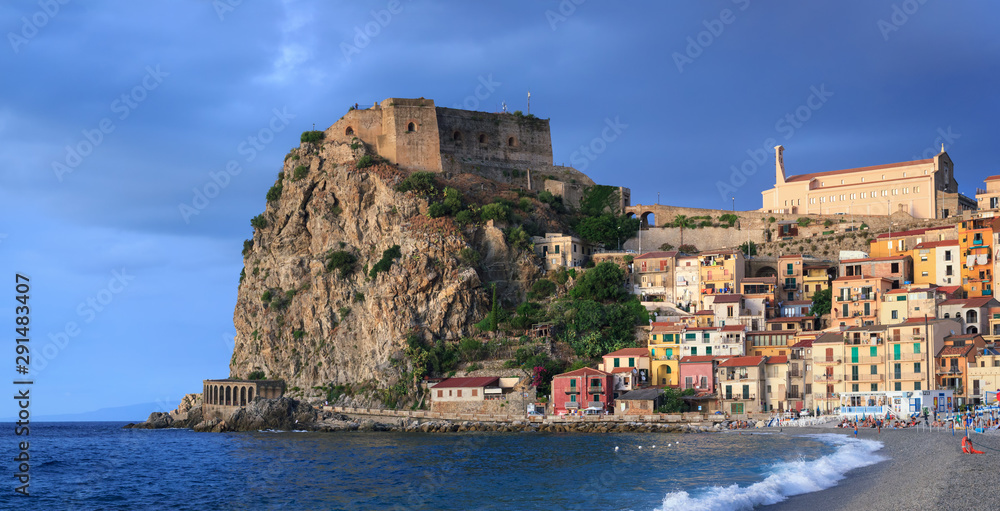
(616, 361)
(631, 362)
(916, 347)
(694, 350)
(854, 354)
(895, 352)
(874, 351)
(708, 350)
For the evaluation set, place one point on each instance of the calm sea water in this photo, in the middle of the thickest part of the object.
(101, 466)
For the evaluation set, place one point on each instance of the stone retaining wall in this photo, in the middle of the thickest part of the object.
(689, 417)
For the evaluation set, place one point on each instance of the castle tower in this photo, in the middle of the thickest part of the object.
(779, 165)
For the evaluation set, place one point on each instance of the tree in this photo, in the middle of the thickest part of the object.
(750, 250)
(822, 302)
(602, 283)
(607, 229)
(599, 199)
(683, 222)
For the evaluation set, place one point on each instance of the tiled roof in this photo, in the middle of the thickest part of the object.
(705, 313)
(584, 371)
(914, 232)
(827, 338)
(934, 244)
(798, 302)
(697, 358)
(742, 362)
(734, 328)
(992, 178)
(807, 177)
(968, 302)
(779, 359)
(657, 255)
(629, 352)
(955, 351)
(479, 381)
(728, 298)
(805, 343)
(621, 370)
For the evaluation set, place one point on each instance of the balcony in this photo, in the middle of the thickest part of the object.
(664, 357)
(907, 376)
(950, 370)
(826, 396)
(826, 361)
(789, 287)
(572, 390)
(826, 378)
(907, 357)
(595, 389)
(739, 397)
(736, 377)
(866, 360)
(868, 377)
(977, 242)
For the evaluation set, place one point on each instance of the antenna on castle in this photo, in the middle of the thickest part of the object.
(503, 105)
(529, 107)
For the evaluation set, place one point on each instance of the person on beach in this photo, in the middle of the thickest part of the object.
(855, 430)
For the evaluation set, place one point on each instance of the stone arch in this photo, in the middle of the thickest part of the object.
(647, 220)
(229, 396)
(243, 396)
(971, 316)
(972, 329)
(349, 131)
(250, 394)
(511, 142)
(629, 214)
(766, 271)
(411, 127)
(215, 394)
(457, 136)
(482, 138)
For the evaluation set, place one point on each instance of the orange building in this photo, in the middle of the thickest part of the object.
(975, 238)
(856, 299)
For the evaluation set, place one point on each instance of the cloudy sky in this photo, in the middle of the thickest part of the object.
(139, 138)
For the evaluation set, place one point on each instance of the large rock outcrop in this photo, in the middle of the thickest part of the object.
(298, 321)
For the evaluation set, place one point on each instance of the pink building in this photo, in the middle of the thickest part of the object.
(698, 372)
(581, 389)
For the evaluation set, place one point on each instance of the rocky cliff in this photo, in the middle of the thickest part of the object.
(309, 310)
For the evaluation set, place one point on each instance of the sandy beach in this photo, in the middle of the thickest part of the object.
(925, 470)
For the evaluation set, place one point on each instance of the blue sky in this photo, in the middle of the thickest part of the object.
(113, 113)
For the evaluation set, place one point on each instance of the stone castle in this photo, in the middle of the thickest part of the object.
(505, 147)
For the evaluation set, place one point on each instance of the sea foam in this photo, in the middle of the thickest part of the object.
(784, 480)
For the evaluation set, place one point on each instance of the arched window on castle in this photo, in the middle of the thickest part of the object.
(457, 136)
(411, 127)
(511, 142)
(482, 138)
(349, 131)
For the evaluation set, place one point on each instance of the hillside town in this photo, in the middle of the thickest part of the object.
(908, 326)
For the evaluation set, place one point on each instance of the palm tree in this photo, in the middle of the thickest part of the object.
(683, 222)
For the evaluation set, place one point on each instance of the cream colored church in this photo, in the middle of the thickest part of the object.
(921, 188)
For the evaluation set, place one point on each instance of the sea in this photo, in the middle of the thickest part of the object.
(99, 465)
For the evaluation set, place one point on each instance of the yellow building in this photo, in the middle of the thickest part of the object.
(989, 199)
(561, 250)
(664, 352)
(984, 374)
(864, 359)
(921, 188)
(910, 350)
(827, 371)
(936, 262)
(721, 272)
(891, 244)
(815, 278)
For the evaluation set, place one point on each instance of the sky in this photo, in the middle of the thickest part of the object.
(137, 139)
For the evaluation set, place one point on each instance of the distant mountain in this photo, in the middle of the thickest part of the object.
(129, 413)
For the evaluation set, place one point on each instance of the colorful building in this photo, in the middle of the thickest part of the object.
(910, 349)
(856, 299)
(952, 364)
(582, 389)
(664, 352)
(900, 243)
(973, 314)
(687, 290)
(897, 269)
(698, 373)
(984, 375)
(816, 277)
(975, 238)
(561, 250)
(653, 275)
(790, 272)
(741, 385)
(936, 262)
(721, 272)
(776, 384)
(630, 368)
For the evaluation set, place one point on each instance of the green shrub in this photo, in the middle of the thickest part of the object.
(256, 375)
(247, 244)
(421, 183)
(465, 217)
(495, 211)
(275, 192)
(827, 223)
(525, 204)
(469, 256)
(300, 172)
(298, 334)
(385, 263)
(364, 162)
(473, 367)
(628, 259)
(257, 222)
(436, 210)
(344, 312)
(266, 296)
(355, 145)
(541, 289)
(341, 261)
(335, 210)
(312, 136)
(359, 297)
(803, 221)
(666, 247)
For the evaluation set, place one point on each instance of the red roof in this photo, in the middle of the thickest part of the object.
(779, 359)
(697, 358)
(584, 371)
(621, 370)
(657, 255)
(992, 178)
(950, 351)
(933, 244)
(968, 302)
(742, 362)
(873, 259)
(734, 328)
(704, 313)
(480, 381)
(807, 177)
(914, 232)
(629, 352)
(805, 343)
(799, 302)
(727, 298)
(948, 289)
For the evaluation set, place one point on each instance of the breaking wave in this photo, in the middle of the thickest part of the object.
(784, 479)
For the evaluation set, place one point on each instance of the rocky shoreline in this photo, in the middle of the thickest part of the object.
(287, 414)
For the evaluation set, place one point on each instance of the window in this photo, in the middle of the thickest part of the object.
(557, 249)
(459, 393)
(894, 267)
(411, 127)
(511, 142)
(916, 385)
(616, 362)
(916, 367)
(572, 384)
(475, 392)
(482, 138)
(916, 347)
(349, 131)
(572, 398)
(631, 362)
(440, 393)
(898, 386)
(874, 387)
(895, 315)
(457, 136)
(863, 195)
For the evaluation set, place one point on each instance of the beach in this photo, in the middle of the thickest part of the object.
(924, 470)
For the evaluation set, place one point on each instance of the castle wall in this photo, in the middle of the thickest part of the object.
(364, 124)
(419, 148)
(480, 139)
